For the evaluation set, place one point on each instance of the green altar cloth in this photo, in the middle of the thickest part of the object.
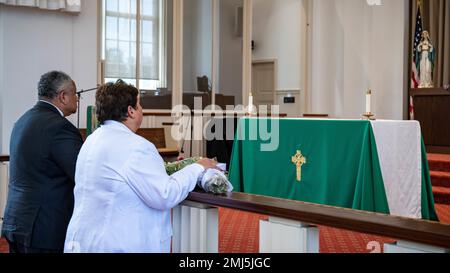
(342, 166)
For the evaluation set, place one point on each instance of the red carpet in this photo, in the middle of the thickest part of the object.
(440, 177)
(439, 162)
(239, 232)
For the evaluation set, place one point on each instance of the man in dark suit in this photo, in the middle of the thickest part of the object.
(43, 153)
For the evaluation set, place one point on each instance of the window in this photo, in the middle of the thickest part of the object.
(120, 41)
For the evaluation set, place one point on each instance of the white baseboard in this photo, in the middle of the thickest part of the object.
(411, 247)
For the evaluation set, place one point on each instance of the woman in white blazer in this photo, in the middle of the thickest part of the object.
(123, 195)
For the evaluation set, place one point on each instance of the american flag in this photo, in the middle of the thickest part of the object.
(417, 37)
(414, 74)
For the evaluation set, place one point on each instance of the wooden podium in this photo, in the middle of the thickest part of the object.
(432, 110)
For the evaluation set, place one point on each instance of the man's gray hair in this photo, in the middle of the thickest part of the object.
(51, 83)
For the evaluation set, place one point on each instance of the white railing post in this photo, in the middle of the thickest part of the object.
(279, 235)
(3, 189)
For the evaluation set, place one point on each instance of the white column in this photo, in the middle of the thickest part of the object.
(411, 247)
(195, 228)
(215, 33)
(177, 89)
(3, 189)
(138, 45)
(4, 137)
(305, 35)
(100, 42)
(247, 51)
(278, 235)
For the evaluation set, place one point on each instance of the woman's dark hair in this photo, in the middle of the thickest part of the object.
(112, 101)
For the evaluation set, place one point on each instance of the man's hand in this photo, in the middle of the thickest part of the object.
(208, 163)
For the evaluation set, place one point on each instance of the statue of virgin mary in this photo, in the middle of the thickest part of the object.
(425, 61)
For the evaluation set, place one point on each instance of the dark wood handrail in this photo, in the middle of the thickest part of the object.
(158, 114)
(420, 231)
(4, 158)
(315, 115)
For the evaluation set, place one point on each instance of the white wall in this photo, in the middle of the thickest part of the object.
(2, 122)
(355, 47)
(36, 41)
(279, 29)
(197, 42)
(84, 56)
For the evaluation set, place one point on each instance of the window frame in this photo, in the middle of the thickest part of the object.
(137, 80)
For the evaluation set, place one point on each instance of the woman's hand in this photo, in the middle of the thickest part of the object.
(208, 163)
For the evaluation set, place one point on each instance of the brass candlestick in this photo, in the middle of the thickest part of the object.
(368, 114)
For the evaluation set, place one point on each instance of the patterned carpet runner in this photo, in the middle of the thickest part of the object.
(440, 177)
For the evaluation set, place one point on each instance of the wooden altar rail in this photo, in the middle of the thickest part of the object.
(4, 158)
(420, 231)
(213, 113)
(315, 115)
(157, 114)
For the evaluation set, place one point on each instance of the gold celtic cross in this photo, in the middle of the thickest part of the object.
(299, 160)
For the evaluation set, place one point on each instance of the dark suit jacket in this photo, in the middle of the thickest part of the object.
(43, 152)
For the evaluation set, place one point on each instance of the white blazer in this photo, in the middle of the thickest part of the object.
(123, 195)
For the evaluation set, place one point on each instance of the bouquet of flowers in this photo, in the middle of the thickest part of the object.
(212, 180)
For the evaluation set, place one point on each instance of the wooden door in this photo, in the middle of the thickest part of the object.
(263, 83)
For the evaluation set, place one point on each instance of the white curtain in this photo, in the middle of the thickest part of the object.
(63, 5)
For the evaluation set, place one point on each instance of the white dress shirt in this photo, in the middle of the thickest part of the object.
(59, 110)
(123, 195)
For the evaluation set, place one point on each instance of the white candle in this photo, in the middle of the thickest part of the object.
(368, 101)
(250, 104)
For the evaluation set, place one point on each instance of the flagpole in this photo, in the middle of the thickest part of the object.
(416, 39)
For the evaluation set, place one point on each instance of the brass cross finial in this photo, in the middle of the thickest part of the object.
(299, 160)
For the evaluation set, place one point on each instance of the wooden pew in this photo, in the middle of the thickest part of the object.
(315, 115)
(157, 137)
(154, 135)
